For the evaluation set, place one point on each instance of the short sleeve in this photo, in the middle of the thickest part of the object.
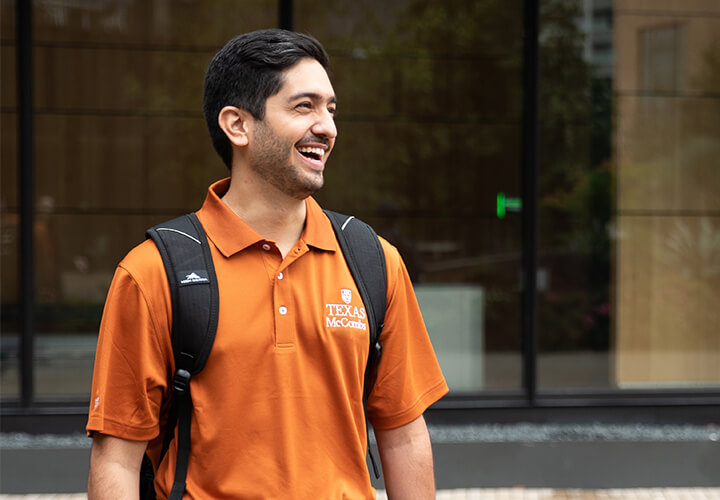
(409, 378)
(134, 353)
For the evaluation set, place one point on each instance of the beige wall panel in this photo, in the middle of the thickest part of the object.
(667, 153)
(667, 328)
(669, 6)
(667, 145)
(700, 60)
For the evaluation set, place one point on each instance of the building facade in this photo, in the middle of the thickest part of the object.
(549, 170)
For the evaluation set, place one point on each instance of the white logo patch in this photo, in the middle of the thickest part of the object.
(193, 278)
(346, 295)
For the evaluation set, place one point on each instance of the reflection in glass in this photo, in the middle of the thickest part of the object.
(668, 228)
(429, 132)
(120, 144)
(9, 305)
(629, 225)
(9, 221)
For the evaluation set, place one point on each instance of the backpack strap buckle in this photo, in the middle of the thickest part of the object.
(181, 380)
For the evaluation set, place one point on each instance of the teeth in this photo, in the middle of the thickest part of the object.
(318, 151)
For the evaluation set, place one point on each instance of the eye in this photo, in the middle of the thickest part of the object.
(304, 105)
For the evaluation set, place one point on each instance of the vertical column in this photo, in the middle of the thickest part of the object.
(529, 197)
(285, 14)
(25, 189)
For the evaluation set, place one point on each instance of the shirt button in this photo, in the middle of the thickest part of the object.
(266, 247)
(283, 310)
(281, 276)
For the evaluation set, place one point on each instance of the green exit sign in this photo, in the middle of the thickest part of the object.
(505, 204)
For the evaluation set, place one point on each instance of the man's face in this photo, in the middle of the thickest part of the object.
(290, 146)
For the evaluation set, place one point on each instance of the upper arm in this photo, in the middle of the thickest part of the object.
(121, 452)
(115, 468)
(406, 455)
(413, 434)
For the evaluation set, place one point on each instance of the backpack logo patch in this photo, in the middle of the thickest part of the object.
(192, 278)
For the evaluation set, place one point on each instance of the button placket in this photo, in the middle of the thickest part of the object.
(284, 303)
(284, 315)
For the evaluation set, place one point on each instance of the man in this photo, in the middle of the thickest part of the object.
(277, 410)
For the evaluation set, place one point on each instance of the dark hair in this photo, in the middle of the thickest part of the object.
(248, 70)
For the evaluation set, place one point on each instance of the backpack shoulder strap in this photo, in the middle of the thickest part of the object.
(366, 260)
(195, 299)
(193, 288)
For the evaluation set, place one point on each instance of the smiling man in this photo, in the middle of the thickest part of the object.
(278, 408)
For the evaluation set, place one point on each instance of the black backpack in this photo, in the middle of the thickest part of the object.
(195, 302)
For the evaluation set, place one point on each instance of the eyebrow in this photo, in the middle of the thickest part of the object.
(312, 95)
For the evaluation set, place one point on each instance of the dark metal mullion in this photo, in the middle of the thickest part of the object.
(285, 14)
(529, 197)
(25, 191)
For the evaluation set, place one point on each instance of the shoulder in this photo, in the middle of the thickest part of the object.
(142, 261)
(398, 278)
(392, 255)
(139, 293)
(143, 266)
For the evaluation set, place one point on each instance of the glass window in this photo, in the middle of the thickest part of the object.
(9, 225)
(430, 125)
(120, 144)
(629, 225)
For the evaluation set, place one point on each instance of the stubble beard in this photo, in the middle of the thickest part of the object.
(271, 163)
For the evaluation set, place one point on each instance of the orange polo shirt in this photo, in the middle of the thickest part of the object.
(278, 408)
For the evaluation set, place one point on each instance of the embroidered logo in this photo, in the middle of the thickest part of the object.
(345, 315)
(192, 278)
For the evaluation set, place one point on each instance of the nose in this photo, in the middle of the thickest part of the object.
(325, 126)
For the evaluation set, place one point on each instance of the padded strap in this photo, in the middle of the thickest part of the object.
(366, 260)
(195, 298)
(193, 286)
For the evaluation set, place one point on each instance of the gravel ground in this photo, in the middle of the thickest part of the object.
(460, 434)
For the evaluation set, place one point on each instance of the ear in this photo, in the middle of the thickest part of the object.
(235, 123)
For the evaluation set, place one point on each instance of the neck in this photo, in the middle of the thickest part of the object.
(273, 215)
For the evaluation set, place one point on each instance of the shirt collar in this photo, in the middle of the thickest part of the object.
(231, 234)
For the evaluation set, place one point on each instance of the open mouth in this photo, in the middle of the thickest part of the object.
(315, 154)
